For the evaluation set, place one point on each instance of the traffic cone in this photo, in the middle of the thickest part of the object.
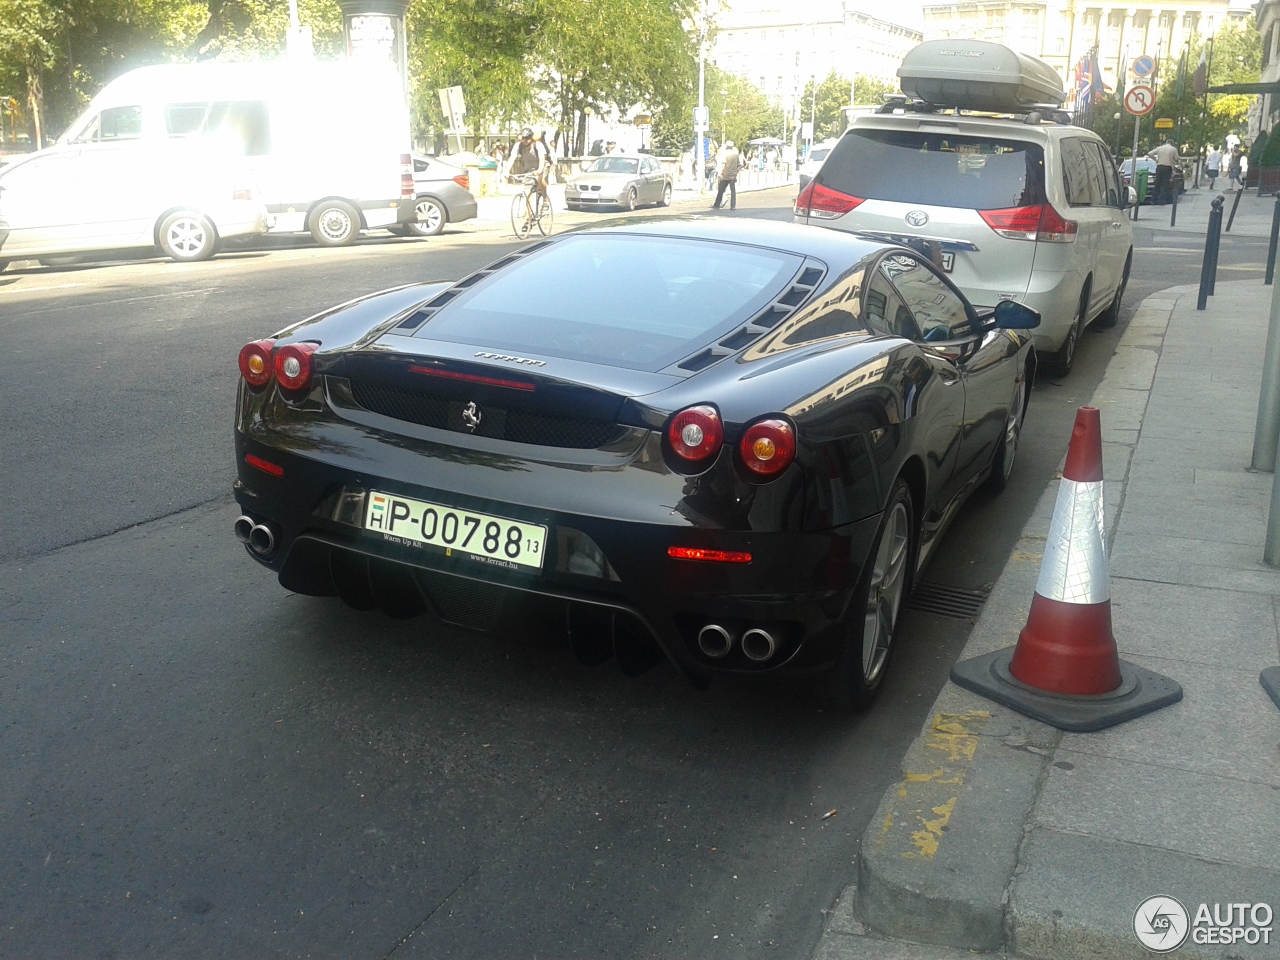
(1270, 680)
(1065, 669)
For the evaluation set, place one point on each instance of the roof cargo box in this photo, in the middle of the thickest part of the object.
(977, 75)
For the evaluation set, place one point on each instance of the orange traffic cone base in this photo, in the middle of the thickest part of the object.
(1067, 648)
(1139, 692)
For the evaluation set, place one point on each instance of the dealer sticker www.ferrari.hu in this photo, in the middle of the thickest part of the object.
(495, 540)
(1162, 924)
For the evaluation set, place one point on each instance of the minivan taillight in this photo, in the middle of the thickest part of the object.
(406, 176)
(463, 180)
(1039, 222)
(242, 193)
(815, 200)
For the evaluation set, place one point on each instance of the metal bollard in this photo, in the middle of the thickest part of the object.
(1209, 265)
(1173, 214)
(1266, 427)
(1271, 248)
(1236, 203)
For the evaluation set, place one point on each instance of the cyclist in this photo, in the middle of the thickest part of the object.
(532, 157)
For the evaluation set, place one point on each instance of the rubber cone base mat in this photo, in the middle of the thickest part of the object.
(1140, 691)
(1270, 679)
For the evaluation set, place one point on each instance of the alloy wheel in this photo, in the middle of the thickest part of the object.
(884, 596)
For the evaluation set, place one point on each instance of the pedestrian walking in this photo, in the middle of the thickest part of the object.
(1234, 167)
(1212, 165)
(729, 165)
(1165, 156)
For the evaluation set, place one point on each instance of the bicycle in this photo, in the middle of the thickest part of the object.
(529, 208)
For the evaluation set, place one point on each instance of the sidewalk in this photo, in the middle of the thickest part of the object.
(1253, 215)
(1008, 835)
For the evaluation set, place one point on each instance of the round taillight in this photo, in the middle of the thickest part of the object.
(255, 362)
(293, 365)
(768, 447)
(695, 434)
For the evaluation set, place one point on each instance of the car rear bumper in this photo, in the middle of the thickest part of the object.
(797, 585)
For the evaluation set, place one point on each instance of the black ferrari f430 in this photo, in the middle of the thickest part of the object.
(732, 443)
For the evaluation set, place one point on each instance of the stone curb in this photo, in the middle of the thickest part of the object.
(938, 857)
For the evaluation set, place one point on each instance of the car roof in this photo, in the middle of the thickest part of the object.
(1007, 127)
(830, 245)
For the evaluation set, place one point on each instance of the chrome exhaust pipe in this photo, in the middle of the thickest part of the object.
(262, 540)
(758, 644)
(715, 641)
(243, 527)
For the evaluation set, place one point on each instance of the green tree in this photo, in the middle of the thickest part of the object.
(871, 89)
(827, 109)
(739, 111)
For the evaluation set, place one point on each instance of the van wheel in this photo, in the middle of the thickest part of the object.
(872, 618)
(187, 236)
(429, 218)
(1108, 319)
(1065, 358)
(335, 223)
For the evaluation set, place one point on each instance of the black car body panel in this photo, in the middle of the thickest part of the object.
(579, 448)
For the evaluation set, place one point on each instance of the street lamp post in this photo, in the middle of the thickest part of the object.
(724, 110)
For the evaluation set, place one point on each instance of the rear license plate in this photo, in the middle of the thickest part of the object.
(494, 540)
(948, 261)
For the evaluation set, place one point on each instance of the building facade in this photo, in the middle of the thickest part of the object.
(1062, 31)
(780, 46)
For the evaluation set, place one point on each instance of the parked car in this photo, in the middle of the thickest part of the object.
(813, 164)
(72, 199)
(442, 195)
(1149, 165)
(619, 180)
(1016, 207)
(730, 444)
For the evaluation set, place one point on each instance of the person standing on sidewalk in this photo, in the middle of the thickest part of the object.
(730, 164)
(1165, 156)
(1233, 167)
(1213, 165)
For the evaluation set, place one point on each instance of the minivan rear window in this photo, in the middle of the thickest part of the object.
(629, 301)
(938, 169)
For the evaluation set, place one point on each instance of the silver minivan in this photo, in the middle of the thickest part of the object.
(1020, 209)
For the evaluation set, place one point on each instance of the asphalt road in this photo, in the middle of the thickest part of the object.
(199, 764)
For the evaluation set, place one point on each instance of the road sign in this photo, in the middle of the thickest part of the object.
(1140, 100)
(701, 116)
(644, 120)
(1164, 123)
(1143, 66)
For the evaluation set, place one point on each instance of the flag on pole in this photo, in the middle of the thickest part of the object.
(1097, 90)
(1200, 79)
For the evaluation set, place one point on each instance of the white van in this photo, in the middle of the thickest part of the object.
(326, 144)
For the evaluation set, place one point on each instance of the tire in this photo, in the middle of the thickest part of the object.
(1112, 314)
(872, 616)
(519, 223)
(430, 218)
(1062, 361)
(1007, 448)
(546, 218)
(666, 196)
(335, 223)
(631, 200)
(187, 237)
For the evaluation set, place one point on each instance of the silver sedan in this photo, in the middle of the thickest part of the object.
(619, 180)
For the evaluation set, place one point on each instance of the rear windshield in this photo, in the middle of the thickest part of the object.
(638, 302)
(938, 169)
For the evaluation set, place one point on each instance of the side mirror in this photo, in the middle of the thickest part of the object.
(1012, 315)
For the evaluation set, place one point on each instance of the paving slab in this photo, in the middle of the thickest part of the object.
(1075, 897)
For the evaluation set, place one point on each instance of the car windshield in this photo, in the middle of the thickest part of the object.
(629, 301)
(614, 165)
(940, 169)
